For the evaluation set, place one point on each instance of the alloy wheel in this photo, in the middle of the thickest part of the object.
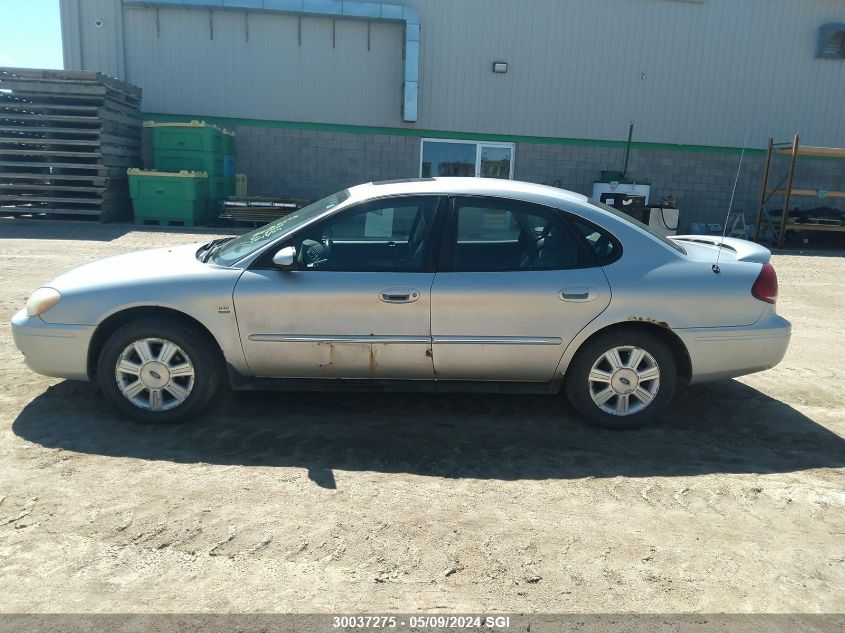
(624, 380)
(154, 374)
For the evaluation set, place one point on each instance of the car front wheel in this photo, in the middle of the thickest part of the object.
(158, 370)
(622, 379)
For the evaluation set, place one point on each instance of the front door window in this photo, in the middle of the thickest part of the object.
(389, 235)
(441, 157)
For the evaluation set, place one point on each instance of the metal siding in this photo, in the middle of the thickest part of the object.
(71, 36)
(268, 76)
(88, 47)
(712, 69)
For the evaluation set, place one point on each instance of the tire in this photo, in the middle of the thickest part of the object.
(645, 391)
(179, 362)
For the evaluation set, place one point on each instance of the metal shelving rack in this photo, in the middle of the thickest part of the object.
(794, 150)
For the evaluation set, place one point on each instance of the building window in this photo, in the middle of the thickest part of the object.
(832, 41)
(446, 157)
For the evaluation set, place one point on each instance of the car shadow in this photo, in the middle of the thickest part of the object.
(725, 427)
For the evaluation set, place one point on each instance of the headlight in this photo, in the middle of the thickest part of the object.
(42, 300)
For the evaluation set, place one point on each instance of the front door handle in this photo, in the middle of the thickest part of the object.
(399, 295)
(578, 295)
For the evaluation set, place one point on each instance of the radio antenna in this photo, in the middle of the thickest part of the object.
(731, 203)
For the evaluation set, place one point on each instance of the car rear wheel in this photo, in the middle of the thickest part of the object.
(159, 370)
(622, 379)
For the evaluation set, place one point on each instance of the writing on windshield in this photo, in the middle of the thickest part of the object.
(249, 243)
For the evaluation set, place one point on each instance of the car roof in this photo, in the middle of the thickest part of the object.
(469, 186)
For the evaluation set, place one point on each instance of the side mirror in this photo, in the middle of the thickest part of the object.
(285, 258)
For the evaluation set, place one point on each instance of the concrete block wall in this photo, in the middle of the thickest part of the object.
(700, 182)
(298, 163)
(313, 163)
(303, 163)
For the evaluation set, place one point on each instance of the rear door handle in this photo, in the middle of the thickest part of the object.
(399, 295)
(578, 295)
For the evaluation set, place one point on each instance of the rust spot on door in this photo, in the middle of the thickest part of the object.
(331, 356)
(373, 362)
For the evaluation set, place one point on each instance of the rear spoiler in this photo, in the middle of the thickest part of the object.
(742, 250)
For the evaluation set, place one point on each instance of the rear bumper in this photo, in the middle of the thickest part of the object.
(53, 349)
(720, 353)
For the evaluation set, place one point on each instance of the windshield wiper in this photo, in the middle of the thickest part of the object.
(212, 247)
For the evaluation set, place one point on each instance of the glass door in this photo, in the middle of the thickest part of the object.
(495, 161)
(445, 157)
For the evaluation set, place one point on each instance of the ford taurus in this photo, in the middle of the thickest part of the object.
(443, 284)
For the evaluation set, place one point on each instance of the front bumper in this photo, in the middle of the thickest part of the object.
(720, 353)
(53, 349)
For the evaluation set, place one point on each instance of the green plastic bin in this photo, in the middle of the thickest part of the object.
(219, 188)
(193, 146)
(167, 197)
(193, 136)
(182, 160)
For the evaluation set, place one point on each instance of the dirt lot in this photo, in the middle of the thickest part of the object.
(734, 502)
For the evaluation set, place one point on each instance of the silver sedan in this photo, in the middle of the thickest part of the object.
(447, 284)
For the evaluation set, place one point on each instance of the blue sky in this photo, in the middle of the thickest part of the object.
(30, 34)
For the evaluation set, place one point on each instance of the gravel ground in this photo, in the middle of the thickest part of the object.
(421, 503)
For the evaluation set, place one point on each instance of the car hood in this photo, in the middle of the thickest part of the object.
(706, 248)
(163, 277)
(159, 264)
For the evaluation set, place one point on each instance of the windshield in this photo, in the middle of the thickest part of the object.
(248, 243)
(645, 227)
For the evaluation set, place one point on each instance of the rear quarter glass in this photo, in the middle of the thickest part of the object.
(645, 227)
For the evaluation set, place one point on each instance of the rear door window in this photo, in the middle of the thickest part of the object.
(500, 235)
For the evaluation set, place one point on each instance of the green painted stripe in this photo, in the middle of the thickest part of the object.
(469, 136)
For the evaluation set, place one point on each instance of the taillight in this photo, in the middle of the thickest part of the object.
(766, 286)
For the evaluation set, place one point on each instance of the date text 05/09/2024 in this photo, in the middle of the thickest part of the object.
(421, 621)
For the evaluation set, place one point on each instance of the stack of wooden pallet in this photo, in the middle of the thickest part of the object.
(66, 140)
